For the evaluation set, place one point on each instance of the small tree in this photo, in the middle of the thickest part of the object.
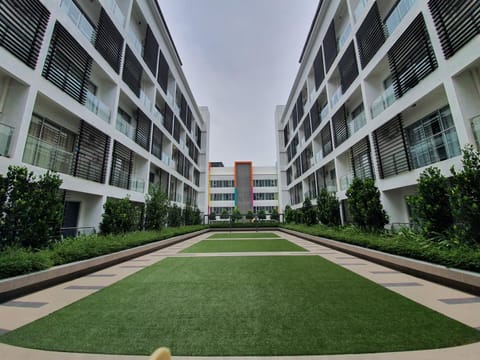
(250, 216)
(197, 216)
(328, 208)
(212, 216)
(431, 205)
(225, 214)
(188, 215)
(262, 215)
(289, 214)
(275, 215)
(236, 215)
(119, 216)
(174, 218)
(466, 196)
(298, 214)
(156, 209)
(309, 213)
(365, 205)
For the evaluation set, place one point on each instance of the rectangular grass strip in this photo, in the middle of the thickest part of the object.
(243, 306)
(244, 235)
(218, 246)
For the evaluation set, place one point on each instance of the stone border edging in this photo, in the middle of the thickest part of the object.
(459, 279)
(17, 286)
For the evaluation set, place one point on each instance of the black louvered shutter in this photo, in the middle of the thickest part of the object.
(370, 36)
(315, 117)
(318, 70)
(109, 41)
(132, 72)
(176, 129)
(162, 74)
(122, 163)
(330, 46)
(189, 119)
(199, 137)
(339, 122)
(411, 58)
(457, 22)
(68, 65)
(183, 110)
(157, 141)
(307, 127)
(391, 149)
(286, 135)
(91, 158)
(294, 117)
(144, 126)
(168, 123)
(22, 28)
(150, 52)
(300, 110)
(348, 68)
(362, 159)
(326, 135)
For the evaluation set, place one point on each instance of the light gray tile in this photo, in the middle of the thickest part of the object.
(400, 284)
(457, 301)
(101, 275)
(25, 304)
(84, 287)
(385, 272)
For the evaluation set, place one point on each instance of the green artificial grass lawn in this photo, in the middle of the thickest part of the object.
(213, 246)
(279, 305)
(243, 235)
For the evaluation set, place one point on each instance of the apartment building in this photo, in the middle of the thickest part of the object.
(247, 187)
(384, 90)
(95, 91)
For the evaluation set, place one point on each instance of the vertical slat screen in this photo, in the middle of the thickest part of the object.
(150, 52)
(199, 137)
(109, 41)
(168, 123)
(370, 36)
(411, 58)
(318, 70)
(294, 117)
(362, 159)
(122, 163)
(183, 110)
(340, 130)
(22, 28)
(326, 135)
(300, 110)
(315, 117)
(68, 65)
(189, 119)
(348, 68)
(157, 141)
(132, 71)
(91, 159)
(176, 129)
(286, 135)
(330, 46)
(390, 148)
(457, 23)
(144, 128)
(162, 73)
(307, 127)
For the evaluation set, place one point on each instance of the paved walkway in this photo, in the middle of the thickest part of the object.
(453, 303)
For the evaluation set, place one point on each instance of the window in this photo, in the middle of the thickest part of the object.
(221, 183)
(221, 197)
(265, 183)
(264, 196)
(433, 138)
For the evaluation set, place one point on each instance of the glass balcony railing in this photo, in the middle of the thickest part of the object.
(137, 185)
(116, 12)
(176, 198)
(6, 133)
(158, 115)
(344, 37)
(331, 187)
(135, 42)
(79, 19)
(124, 126)
(475, 129)
(336, 97)
(324, 113)
(95, 105)
(386, 99)
(356, 123)
(397, 15)
(345, 182)
(318, 157)
(165, 159)
(145, 100)
(47, 156)
(359, 9)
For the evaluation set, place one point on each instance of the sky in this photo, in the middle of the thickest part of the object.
(240, 58)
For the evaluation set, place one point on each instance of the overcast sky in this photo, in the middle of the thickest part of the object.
(240, 58)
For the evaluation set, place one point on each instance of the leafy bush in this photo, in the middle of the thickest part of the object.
(120, 216)
(431, 205)
(174, 218)
(262, 215)
(275, 215)
(156, 209)
(225, 214)
(250, 215)
(298, 216)
(17, 261)
(31, 208)
(328, 208)
(212, 216)
(244, 225)
(309, 213)
(236, 215)
(188, 215)
(289, 214)
(466, 196)
(365, 205)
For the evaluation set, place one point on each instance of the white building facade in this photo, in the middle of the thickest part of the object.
(95, 91)
(243, 186)
(384, 90)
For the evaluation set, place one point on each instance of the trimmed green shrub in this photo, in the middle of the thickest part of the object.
(188, 215)
(17, 261)
(174, 218)
(120, 216)
(431, 205)
(275, 215)
(197, 217)
(250, 215)
(289, 214)
(156, 209)
(236, 215)
(225, 214)
(298, 213)
(309, 213)
(328, 208)
(262, 215)
(212, 216)
(365, 205)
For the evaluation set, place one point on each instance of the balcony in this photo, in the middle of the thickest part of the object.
(137, 185)
(79, 19)
(336, 97)
(344, 37)
(165, 159)
(176, 198)
(318, 157)
(359, 9)
(386, 99)
(324, 113)
(124, 126)
(356, 123)
(331, 187)
(157, 115)
(116, 12)
(95, 105)
(345, 182)
(397, 15)
(145, 100)
(6, 133)
(475, 129)
(135, 43)
(47, 156)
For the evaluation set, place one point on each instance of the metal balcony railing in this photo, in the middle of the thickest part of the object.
(79, 19)
(95, 105)
(6, 133)
(382, 102)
